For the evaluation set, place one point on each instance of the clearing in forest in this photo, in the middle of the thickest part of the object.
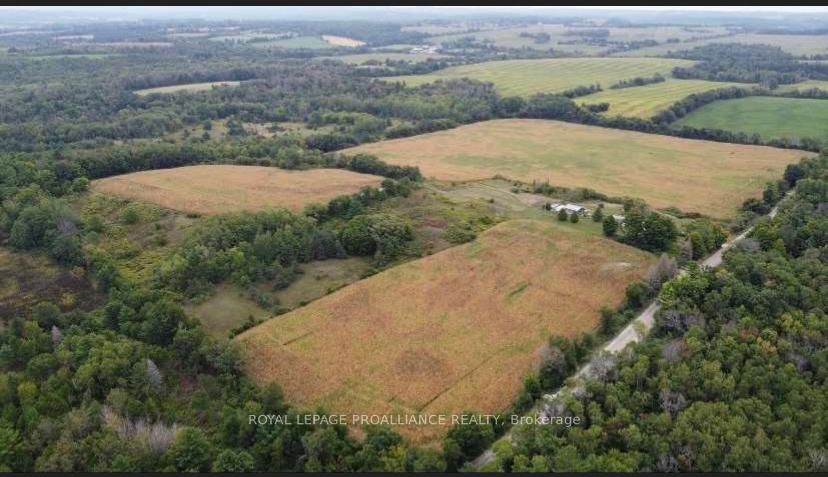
(711, 178)
(189, 87)
(29, 278)
(216, 189)
(472, 324)
(342, 41)
(298, 42)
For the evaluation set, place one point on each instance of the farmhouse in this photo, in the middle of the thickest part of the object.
(569, 208)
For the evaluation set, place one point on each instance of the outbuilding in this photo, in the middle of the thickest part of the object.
(569, 208)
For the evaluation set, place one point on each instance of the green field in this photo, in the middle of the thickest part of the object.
(227, 308)
(527, 77)
(305, 42)
(646, 101)
(766, 116)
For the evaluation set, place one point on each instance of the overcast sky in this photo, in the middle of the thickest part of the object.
(813, 16)
(741, 8)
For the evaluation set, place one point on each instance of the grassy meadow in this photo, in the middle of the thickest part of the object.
(648, 100)
(299, 42)
(767, 116)
(527, 77)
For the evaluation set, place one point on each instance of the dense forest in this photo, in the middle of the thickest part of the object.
(292, 90)
(734, 377)
(765, 64)
(136, 384)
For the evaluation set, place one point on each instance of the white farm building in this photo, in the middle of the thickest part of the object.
(569, 208)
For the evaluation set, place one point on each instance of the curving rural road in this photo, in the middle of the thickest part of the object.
(634, 332)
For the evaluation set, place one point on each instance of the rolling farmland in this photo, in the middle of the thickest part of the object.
(454, 340)
(566, 38)
(648, 100)
(510, 38)
(767, 116)
(214, 189)
(527, 77)
(703, 176)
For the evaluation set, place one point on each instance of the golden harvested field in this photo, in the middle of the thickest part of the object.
(712, 178)
(472, 323)
(216, 189)
(342, 41)
(190, 87)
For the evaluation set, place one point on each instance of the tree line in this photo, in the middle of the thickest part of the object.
(638, 81)
(741, 63)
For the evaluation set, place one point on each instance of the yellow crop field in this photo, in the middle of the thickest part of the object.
(648, 100)
(471, 325)
(215, 189)
(708, 177)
